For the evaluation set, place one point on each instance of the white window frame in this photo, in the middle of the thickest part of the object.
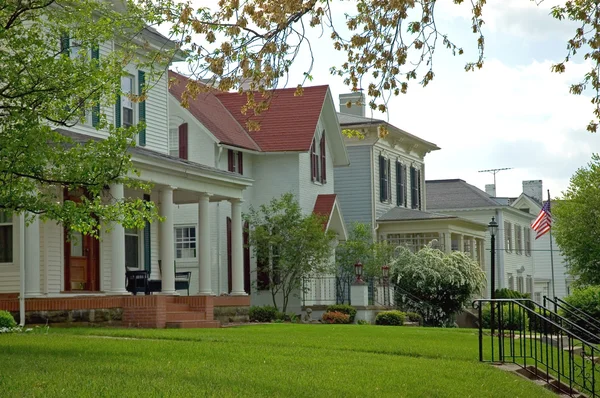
(10, 224)
(140, 245)
(183, 241)
(518, 239)
(508, 237)
(174, 141)
(126, 102)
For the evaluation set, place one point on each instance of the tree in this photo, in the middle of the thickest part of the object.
(576, 224)
(360, 247)
(435, 284)
(288, 245)
(53, 77)
(387, 45)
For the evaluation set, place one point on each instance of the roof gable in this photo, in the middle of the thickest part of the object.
(456, 194)
(326, 206)
(290, 122)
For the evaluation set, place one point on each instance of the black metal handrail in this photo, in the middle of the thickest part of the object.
(539, 341)
(587, 322)
(581, 313)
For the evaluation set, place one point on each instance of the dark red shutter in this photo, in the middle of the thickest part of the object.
(323, 160)
(246, 258)
(240, 157)
(183, 141)
(230, 161)
(229, 262)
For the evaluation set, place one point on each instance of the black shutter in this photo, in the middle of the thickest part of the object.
(413, 188)
(388, 191)
(419, 189)
(382, 183)
(118, 112)
(65, 43)
(240, 165)
(142, 107)
(147, 242)
(404, 185)
(399, 185)
(230, 161)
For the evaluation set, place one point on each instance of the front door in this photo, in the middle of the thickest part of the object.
(82, 265)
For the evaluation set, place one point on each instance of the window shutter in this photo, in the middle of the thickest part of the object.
(230, 161)
(240, 157)
(65, 42)
(389, 179)
(418, 174)
(229, 260)
(313, 163)
(147, 242)
(96, 106)
(118, 112)
(413, 188)
(323, 160)
(404, 186)
(142, 107)
(399, 197)
(246, 258)
(382, 183)
(183, 141)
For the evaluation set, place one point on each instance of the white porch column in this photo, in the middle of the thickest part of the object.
(203, 235)
(461, 243)
(447, 242)
(167, 241)
(32, 258)
(237, 249)
(472, 244)
(117, 239)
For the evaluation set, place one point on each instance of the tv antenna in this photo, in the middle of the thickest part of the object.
(494, 172)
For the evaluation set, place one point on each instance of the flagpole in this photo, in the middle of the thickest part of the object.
(551, 255)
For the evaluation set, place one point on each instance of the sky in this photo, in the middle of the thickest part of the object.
(513, 113)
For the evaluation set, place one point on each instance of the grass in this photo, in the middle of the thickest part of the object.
(270, 360)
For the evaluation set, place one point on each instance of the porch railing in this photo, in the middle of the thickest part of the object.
(329, 290)
(542, 343)
(576, 315)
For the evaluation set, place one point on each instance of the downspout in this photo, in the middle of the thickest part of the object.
(500, 249)
(22, 269)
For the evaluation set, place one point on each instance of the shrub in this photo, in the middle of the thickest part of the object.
(262, 314)
(363, 322)
(586, 300)
(7, 320)
(542, 326)
(392, 318)
(414, 317)
(514, 319)
(336, 317)
(344, 309)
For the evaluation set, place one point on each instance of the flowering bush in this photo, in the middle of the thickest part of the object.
(391, 318)
(336, 317)
(344, 309)
(7, 320)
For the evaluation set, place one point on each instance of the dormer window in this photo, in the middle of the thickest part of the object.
(318, 159)
(235, 161)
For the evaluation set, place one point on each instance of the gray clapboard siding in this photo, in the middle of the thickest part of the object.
(353, 186)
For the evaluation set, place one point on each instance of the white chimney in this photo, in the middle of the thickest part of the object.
(490, 189)
(357, 103)
(534, 189)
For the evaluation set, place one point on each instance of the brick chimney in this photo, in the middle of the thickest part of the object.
(354, 98)
(534, 189)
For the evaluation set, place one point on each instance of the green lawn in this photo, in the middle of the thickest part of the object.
(268, 360)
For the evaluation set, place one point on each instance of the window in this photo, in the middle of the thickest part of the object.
(467, 245)
(508, 239)
(318, 159)
(538, 297)
(6, 238)
(127, 89)
(511, 281)
(529, 280)
(132, 248)
(527, 241)
(401, 196)
(185, 242)
(235, 161)
(174, 142)
(518, 239)
(415, 242)
(520, 284)
(385, 181)
(415, 188)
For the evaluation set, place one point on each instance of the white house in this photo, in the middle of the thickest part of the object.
(515, 268)
(296, 149)
(531, 201)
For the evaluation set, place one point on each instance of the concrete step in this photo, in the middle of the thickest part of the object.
(185, 316)
(177, 307)
(193, 324)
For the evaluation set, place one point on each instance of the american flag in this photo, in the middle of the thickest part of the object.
(543, 222)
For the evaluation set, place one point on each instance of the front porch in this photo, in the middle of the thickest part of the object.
(154, 311)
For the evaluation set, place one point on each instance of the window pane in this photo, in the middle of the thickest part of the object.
(77, 244)
(127, 116)
(126, 84)
(132, 251)
(6, 244)
(5, 217)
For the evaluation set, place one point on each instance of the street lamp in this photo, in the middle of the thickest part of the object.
(493, 226)
(385, 271)
(358, 271)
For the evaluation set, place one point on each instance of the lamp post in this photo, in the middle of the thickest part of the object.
(493, 226)
(358, 271)
(385, 271)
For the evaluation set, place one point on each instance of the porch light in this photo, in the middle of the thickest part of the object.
(493, 226)
(358, 271)
(385, 271)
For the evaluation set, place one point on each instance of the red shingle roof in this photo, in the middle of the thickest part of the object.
(324, 206)
(213, 115)
(290, 122)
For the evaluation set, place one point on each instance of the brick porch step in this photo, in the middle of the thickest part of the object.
(193, 324)
(176, 316)
(177, 307)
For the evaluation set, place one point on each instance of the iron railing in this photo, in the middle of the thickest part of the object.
(542, 343)
(577, 316)
(328, 290)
